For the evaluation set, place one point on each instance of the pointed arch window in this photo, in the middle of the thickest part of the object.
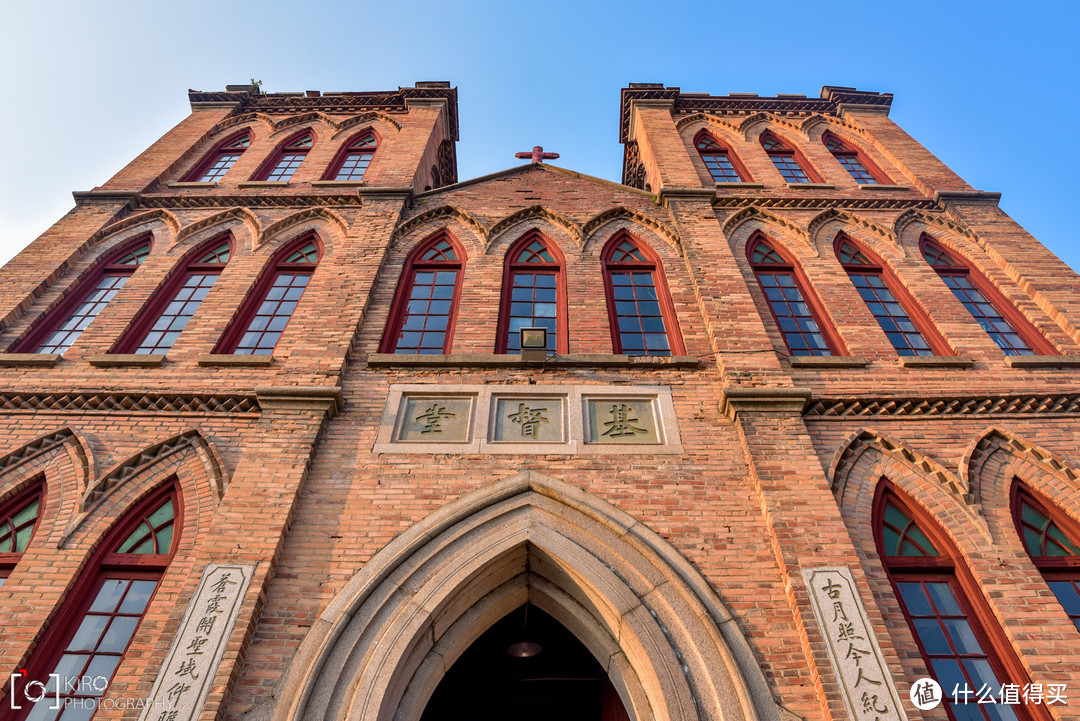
(217, 162)
(794, 310)
(102, 612)
(160, 324)
(792, 166)
(958, 646)
(1053, 542)
(860, 169)
(287, 158)
(887, 300)
(18, 521)
(355, 156)
(640, 309)
(67, 321)
(271, 305)
(422, 317)
(723, 166)
(1001, 321)
(534, 294)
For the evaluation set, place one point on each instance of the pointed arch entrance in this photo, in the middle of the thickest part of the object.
(670, 648)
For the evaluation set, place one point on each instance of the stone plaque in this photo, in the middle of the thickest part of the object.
(864, 679)
(529, 420)
(187, 674)
(621, 420)
(434, 419)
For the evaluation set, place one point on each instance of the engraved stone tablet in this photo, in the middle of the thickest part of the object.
(187, 674)
(865, 684)
(529, 420)
(621, 420)
(433, 419)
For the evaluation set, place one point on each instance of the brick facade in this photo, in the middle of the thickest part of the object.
(780, 456)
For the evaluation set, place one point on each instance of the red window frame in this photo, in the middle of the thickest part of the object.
(513, 268)
(1061, 573)
(787, 151)
(833, 344)
(842, 151)
(417, 264)
(231, 341)
(191, 265)
(196, 174)
(105, 565)
(958, 266)
(947, 567)
(270, 167)
(718, 148)
(109, 267)
(365, 151)
(35, 492)
(874, 266)
(649, 263)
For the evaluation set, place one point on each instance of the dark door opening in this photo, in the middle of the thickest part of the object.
(563, 682)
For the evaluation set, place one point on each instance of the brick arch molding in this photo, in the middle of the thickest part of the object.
(670, 647)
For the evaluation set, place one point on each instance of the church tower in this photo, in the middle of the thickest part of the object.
(300, 426)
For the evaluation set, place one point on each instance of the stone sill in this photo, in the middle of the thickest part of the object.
(811, 186)
(29, 360)
(337, 183)
(739, 186)
(827, 361)
(571, 360)
(220, 359)
(193, 185)
(1043, 361)
(882, 186)
(263, 184)
(935, 361)
(126, 360)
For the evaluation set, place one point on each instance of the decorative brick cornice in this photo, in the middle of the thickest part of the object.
(738, 400)
(266, 200)
(875, 203)
(76, 402)
(830, 102)
(1059, 404)
(325, 399)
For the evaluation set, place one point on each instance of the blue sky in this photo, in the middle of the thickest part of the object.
(986, 86)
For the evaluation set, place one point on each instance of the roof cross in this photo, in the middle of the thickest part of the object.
(537, 154)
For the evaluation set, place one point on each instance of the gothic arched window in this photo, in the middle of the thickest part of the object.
(422, 317)
(355, 156)
(997, 316)
(723, 166)
(161, 322)
(789, 161)
(18, 520)
(910, 334)
(1053, 542)
(642, 316)
(262, 319)
(284, 161)
(939, 599)
(534, 294)
(795, 310)
(67, 321)
(861, 169)
(217, 162)
(95, 625)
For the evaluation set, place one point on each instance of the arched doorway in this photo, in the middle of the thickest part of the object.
(526, 667)
(668, 646)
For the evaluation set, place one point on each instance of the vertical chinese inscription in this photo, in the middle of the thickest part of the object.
(187, 674)
(529, 420)
(435, 419)
(622, 420)
(864, 678)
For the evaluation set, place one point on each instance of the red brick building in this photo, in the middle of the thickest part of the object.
(804, 431)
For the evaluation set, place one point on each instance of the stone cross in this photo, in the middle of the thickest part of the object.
(537, 154)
